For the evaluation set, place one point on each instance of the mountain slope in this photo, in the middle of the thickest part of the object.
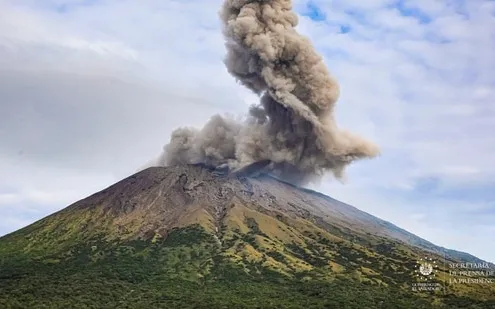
(182, 236)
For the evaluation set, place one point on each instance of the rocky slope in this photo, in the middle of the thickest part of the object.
(181, 235)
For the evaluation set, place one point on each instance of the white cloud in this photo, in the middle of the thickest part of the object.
(9, 198)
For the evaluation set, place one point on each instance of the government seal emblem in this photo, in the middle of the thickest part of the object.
(426, 268)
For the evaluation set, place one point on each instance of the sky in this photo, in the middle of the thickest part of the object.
(91, 90)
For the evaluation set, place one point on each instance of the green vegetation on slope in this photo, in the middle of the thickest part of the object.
(191, 269)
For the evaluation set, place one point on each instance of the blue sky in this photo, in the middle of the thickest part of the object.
(109, 80)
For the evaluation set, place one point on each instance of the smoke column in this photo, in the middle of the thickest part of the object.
(293, 126)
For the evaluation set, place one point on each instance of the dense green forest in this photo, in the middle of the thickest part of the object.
(189, 270)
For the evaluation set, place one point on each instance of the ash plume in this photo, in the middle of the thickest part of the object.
(293, 126)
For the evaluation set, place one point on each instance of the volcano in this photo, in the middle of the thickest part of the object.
(191, 236)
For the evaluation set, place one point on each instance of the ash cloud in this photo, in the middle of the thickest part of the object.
(293, 126)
